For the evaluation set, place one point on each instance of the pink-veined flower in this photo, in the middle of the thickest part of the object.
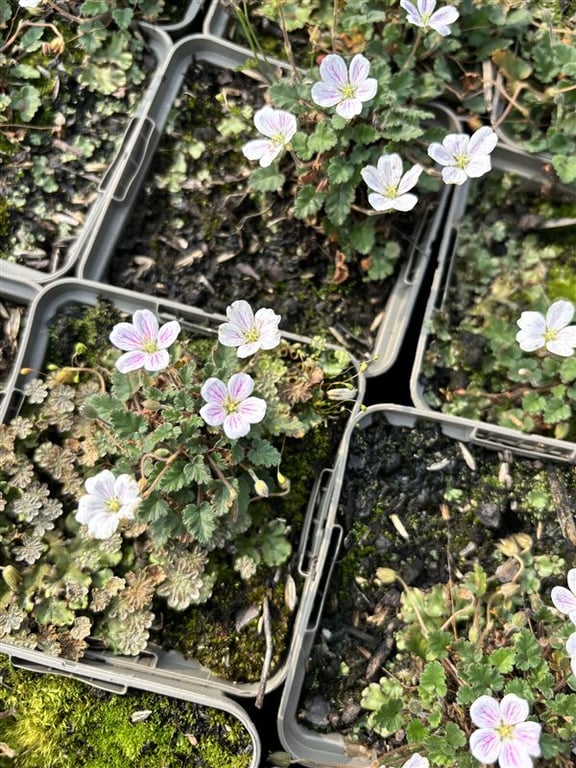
(144, 342)
(464, 157)
(279, 127)
(231, 405)
(564, 599)
(343, 88)
(504, 733)
(553, 331)
(571, 651)
(390, 184)
(424, 16)
(108, 500)
(248, 331)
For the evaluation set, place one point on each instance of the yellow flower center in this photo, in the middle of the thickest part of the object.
(505, 731)
(348, 91)
(391, 192)
(550, 334)
(231, 405)
(114, 505)
(278, 138)
(425, 18)
(252, 335)
(461, 161)
(149, 346)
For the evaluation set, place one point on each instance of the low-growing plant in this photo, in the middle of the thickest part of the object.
(135, 484)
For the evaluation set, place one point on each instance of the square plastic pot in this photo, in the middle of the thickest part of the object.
(508, 159)
(166, 665)
(159, 44)
(312, 748)
(119, 682)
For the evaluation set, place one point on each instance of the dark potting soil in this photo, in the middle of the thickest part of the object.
(396, 513)
(198, 237)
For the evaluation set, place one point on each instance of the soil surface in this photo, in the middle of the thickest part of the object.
(394, 511)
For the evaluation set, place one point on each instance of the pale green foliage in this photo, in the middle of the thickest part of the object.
(200, 511)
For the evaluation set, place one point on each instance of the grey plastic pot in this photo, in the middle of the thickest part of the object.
(511, 159)
(19, 294)
(311, 748)
(167, 666)
(160, 44)
(181, 27)
(120, 681)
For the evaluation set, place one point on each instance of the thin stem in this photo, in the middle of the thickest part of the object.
(169, 461)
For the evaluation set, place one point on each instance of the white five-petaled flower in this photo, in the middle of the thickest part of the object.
(390, 185)
(553, 331)
(463, 156)
(248, 331)
(504, 734)
(423, 15)
(231, 405)
(279, 128)
(108, 500)
(565, 599)
(416, 761)
(342, 88)
(144, 343)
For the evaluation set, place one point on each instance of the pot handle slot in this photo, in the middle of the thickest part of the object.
(545, 449)
(336, 536)
(314, 524)
(103, 685)
(126, 166)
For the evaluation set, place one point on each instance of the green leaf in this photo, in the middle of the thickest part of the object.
(340, 170)
(565, 167)
(503, 659)
(568, 370)
(308, 202)
(102, 79)
(26, 101)
(388, 718)
(533, 402)
(556, 410)
(383, 260)
(322, 139)
(267, 179)
(26, 71)
(416, 732)
(197, 471)
(439, 643)
(264, 454)
(199, 521)
(338, 202)
(174, 478)
(528, 653)
(362, 235)
(432, 682)
(94, 7)
(276, 548)
(123, 17)
(129, 425)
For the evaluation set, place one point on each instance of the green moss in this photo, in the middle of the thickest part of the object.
(561, 282)
(76, 324)
(60, 723)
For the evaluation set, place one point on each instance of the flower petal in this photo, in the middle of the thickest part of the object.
(253, 409)
(527, 735)
(571, 644)
(559, 314)
(146, 324)
(333, 70)
(532, 322)
(417, 761)
(564, 342)
(485, 712)
(563, 599)
(478, 166)
(125, 337)
(102, 526)
(101, 485)
(452, 175)
(214, 391)
(213, 414)
(380, 202)
(485, 744)
(359, 70)
(366, 90)
(371, 177)
(513, 709)
(235, 426)
(240, 313)
(255, 149)
(410, 179)
(157, 361)
(349, 108)
(131, 361)
(266, 121)
(248, 349)
(482, 141)
(440, 154)
(571, 579)
(325, 95)
(390, 170)
(404, 202)
(512, 755)
(240, 386)
(230, 335)
(530, 341)
(168, 334)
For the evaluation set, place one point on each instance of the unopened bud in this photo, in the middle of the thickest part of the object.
(386, 575)
(261, 488)
(341, 393)
(282, 480)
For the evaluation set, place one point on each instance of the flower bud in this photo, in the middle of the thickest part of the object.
(261, 488)
(341, 393)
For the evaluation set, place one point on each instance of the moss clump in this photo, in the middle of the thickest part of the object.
(78, 325)
(61, 723)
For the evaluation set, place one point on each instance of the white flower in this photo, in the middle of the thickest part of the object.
(504, 734)
(343, 89)
(426, 17)
(231, 406)
(29, 4)
(109, 500)
(389, 185)
(145, 343)
(279, 127)
(464, 156)
(552, 332)
(248, 331)
(565, 599)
